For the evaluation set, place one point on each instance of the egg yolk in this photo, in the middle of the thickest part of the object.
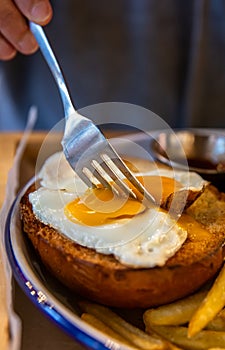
(99, 206)
(160, 187)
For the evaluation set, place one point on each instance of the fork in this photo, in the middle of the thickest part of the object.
(86, 149)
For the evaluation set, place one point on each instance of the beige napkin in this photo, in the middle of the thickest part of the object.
(10, 325)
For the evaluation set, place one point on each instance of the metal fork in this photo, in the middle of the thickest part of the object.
(86, 149)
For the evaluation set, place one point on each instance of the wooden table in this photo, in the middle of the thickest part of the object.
(8, 143)
(7, 151)
(38, 332)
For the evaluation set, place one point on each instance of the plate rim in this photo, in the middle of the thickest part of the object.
(47, 303)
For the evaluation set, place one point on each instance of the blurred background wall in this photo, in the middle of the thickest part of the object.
(167, 56)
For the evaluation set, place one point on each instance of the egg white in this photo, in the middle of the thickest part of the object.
(146, 240)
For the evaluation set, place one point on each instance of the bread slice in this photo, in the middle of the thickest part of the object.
(105, 280)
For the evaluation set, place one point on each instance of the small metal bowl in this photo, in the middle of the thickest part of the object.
(199, 150)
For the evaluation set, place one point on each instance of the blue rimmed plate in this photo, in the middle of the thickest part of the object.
(50, 297)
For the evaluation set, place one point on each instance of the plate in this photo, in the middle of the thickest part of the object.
(49, 295)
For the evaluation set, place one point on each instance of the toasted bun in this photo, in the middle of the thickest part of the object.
(105, 280)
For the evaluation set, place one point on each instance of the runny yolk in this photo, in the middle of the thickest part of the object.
(99, 206)
(160, 186)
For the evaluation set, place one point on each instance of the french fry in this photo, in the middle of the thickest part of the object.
(136, 336)
(210, 306)
(176, 313)
(95, 322)
(217, 324)
(179, 335)
(222, 313)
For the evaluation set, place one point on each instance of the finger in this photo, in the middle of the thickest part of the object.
(39, 11)
(7, 51)
(15, 30)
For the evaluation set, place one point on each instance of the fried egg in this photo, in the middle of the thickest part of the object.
(111, 224)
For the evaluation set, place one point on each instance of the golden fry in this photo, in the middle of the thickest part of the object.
(210, 306)
(203, 340)
(95, 322)
(217, 324)
(176, 313)
(222, 313)
(133, 334)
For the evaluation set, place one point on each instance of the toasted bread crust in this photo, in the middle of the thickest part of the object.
(105, 280)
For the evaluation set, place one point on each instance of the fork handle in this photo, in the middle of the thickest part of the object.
(50, 58)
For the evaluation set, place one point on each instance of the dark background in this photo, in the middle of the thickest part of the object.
(167, 56)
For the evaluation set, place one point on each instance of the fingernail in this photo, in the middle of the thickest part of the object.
(40, 12)
(27, 44)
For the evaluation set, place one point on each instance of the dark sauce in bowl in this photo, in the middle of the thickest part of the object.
(202, 163)
(201, 151)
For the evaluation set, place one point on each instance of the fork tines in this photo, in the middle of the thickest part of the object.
(110, 171)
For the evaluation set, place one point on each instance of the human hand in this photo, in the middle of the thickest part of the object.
(15, 34)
